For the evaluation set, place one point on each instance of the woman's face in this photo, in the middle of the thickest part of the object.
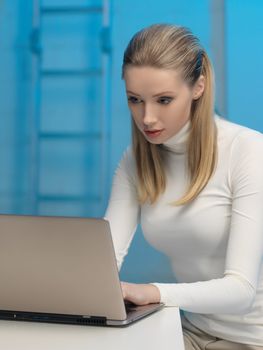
(159, 101)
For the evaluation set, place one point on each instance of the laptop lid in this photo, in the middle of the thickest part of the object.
(60, 268)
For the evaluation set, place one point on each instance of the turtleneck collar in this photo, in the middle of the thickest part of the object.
(178, 142)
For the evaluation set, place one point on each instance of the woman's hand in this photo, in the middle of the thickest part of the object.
(140, 294)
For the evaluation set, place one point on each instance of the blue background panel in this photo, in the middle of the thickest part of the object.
(71, 104)
(71, 41)
(64, 120)
(245, 57)
(70, 167)
(76, 3)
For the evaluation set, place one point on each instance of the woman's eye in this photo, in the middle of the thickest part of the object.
(134, 100)
(165, 100)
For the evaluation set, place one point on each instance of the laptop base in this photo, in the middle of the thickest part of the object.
(133, 316)
(52, 318)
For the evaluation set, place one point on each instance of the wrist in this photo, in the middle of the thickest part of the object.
(154, 294)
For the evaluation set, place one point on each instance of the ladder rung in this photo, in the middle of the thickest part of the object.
(70, 72)
(52, 10)
(70, 135)
(60, 197)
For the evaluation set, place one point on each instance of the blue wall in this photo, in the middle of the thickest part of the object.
(84, 122)
(244, 59)
(15, 105)
(54, 134)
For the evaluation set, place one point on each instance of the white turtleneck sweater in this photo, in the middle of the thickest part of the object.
(215, 243)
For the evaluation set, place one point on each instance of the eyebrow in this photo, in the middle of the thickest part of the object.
(156, 95)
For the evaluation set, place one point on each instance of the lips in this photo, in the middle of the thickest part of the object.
(153, 133)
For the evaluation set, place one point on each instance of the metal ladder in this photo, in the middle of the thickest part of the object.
(86, 202)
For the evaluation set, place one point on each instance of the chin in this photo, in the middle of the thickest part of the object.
(154, 142)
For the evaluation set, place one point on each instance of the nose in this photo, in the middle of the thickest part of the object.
(149, 115)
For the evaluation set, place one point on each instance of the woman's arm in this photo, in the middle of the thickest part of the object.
(123, 209)
(140, 294)
(226, 295)
(235, 291)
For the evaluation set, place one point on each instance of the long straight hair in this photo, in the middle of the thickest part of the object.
(170, 47)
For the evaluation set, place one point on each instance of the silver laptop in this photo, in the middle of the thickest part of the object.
(62, 270)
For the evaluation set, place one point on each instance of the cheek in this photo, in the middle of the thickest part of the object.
(137, 121)
(183, 109)
(131, 108)
(135, 116)
(178, 115)
(135, 113)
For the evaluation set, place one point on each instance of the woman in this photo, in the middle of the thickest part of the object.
(194, 182)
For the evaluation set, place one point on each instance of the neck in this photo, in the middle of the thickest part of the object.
(178, 142)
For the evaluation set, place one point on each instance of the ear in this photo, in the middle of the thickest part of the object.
(199, 87)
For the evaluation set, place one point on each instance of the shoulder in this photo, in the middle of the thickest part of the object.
(241, 150)
(127, 164)
(235, 136)
(128, 157)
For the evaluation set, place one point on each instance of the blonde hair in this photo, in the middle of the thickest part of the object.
(170, 47)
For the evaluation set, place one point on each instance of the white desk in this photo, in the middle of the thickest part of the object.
(160, 331)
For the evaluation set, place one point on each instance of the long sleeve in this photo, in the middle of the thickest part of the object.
(123, 209)
(234, 292)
